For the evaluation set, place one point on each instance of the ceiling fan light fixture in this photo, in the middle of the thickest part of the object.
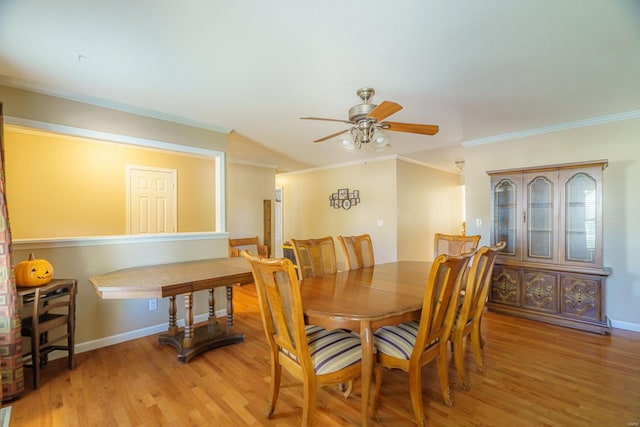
(380, 141)
(348, 141)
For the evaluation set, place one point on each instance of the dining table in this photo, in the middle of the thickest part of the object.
(182, 278)
(364, 300)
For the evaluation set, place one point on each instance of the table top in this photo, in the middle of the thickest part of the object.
(158, 281)
(372, 293)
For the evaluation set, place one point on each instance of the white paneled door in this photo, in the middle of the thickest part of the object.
(151, 200)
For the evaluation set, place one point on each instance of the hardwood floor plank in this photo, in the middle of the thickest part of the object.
(537, 375)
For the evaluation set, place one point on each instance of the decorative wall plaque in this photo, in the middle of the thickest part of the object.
(343, 199)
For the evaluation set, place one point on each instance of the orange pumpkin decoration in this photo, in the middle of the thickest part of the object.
(33, 272)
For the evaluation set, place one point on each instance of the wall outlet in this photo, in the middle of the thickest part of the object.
(153, 304)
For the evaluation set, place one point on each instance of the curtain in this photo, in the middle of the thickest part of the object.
(10, 336)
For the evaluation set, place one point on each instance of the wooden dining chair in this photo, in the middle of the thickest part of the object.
(358, 251)
(469, 316)
(313, 355)
(315, 257)
(454, 244)
(53, 309)
(411, 345)
(250, 243)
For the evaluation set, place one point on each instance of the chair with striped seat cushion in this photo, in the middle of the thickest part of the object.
(315, 257)
(469, 316)
(411, 345)
(358, 251)
(313, 355)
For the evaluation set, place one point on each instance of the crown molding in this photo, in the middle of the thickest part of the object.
(633, 114)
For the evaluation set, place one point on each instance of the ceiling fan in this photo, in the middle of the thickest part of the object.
(367, 119)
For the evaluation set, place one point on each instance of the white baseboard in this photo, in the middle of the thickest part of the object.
(629, 326)
(131, 335)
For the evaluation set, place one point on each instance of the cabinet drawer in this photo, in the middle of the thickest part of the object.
(505, 286)
(540, 291)
(580, 296)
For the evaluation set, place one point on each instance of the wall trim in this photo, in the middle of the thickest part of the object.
(102, 103)
(113, 240)
(427, 165)
(341, 165)
(627, 326)
(131, 335)
(107, 136)
(249, 163)
(634, 114)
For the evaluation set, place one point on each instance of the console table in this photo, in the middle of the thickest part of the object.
(170, 280)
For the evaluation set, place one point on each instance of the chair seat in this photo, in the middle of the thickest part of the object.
(331, 350)
(398, 341)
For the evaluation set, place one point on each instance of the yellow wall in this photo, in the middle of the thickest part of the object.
(63, 186)
(406, 197)
(247, 187)
(429, 202)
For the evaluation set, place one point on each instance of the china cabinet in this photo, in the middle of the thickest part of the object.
(550, 218)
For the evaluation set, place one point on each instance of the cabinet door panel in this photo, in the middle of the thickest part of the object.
(506, 214)
(541, 217)
(540, 291)
(581, 228)
(581, 296)
(505, 286)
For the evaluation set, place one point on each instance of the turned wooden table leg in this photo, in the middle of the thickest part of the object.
(229, 306)
(187, 342)
(212, 308)
(173, 322)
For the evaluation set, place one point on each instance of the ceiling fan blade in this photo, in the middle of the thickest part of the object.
(412, 128)
(331, 136)
(327, 120)
(384, 110)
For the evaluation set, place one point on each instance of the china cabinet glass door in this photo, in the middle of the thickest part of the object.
(540, 217)
(507, 214)
(582, 219)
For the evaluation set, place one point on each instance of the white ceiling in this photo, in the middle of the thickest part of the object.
(478, 69)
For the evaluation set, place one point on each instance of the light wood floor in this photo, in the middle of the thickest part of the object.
(538, 375)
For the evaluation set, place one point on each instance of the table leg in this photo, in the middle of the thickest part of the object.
(212, 308)
(188, 320)
(368, 351)
(173, 322)
(194, 340)
(229, 306)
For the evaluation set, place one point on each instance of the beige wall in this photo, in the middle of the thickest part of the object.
(62, 186)
(403, 195)
(429, 202)
(247, 186)
(617, 142)
(27, 105)
(99, 320)
(241, 148)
